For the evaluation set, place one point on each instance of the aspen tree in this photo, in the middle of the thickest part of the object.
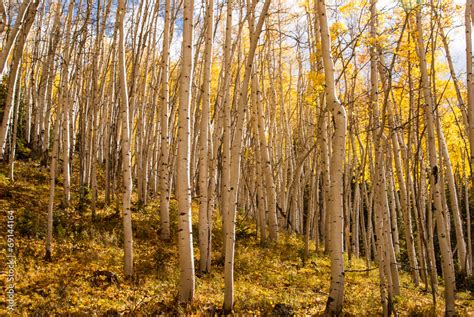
(126, 153)
(393, 204)
(52, 185)
(164, 172)
(469, 22)
(335, 204)
(454, 77)
(386, 254)
(453, 199)
(234, 168)
(462, 251)
(324, 139)
(356, 210)
(10, 98)
(438, 209)
(97, 93)
(226, 138)
(185, 238)
(12, 33)
(205, 218)
(65, 102)
(261, 208)
(313, 180)
(468, 221)
(268, 172)
(16, 113)
(14, 72)
(45, 93)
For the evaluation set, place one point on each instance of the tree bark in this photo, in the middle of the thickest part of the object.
(335, 203)
(438, 208)
(126, 153)
(205, 218)
(185, 238)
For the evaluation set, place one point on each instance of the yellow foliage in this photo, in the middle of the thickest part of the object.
(336, 29)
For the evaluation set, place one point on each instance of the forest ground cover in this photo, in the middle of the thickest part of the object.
(86, 273)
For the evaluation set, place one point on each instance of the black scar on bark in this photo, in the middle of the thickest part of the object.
(435, 173)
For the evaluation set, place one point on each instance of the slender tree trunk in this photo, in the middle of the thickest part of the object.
(267, 170)
(126, 153)
(453, 199)
(185, 238)
(235, 157)
(468, 221)
(14, 70)
(335, 203)
(65, 102)
(261, 206)
(13, 32)
(204, 220)
(16, 113)
(164, 185)
(438, 208)
(469, 22)
(52, 172)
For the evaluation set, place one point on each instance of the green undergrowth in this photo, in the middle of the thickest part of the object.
(265, 277)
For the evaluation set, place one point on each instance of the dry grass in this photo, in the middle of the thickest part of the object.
(265, 276)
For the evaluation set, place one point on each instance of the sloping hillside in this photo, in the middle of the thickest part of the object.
(85, 275)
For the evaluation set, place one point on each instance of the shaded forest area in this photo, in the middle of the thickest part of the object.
(236, 156)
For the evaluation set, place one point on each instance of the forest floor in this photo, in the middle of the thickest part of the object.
(265, 277)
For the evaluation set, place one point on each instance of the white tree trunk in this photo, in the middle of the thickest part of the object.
(65, 103)
(204, 217)
(164, 170)
(267, 170)
(335, 203)
(438, 208)
(126, 153)
(52, 172)
(12, 79)
(235, 157)
(185, 238)
(13, 33)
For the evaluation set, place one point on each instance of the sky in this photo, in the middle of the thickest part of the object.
(457, 41)
(456, 36)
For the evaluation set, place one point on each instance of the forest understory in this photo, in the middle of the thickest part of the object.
(86, 274)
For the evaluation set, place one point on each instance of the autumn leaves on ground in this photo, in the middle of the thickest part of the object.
(89, 255)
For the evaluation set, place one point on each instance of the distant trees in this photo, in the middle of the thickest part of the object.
(235, 158)
(438, 210)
